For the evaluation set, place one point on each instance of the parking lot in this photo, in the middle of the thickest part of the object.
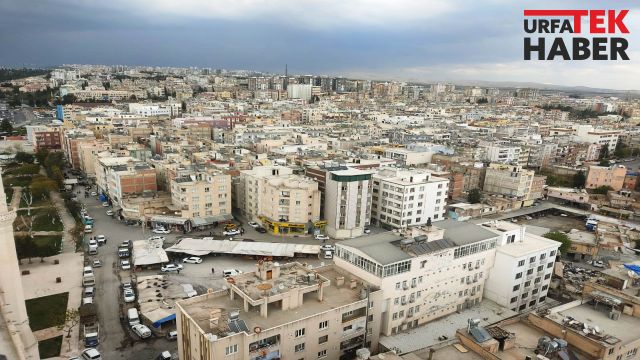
(116, 341)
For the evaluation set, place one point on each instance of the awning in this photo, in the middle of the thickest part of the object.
(158, 323)
(165, 219)
(205, 246)
(201, 221)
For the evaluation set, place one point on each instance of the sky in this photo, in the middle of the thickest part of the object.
(410, 40)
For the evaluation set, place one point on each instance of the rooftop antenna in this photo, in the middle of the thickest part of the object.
(286, 70)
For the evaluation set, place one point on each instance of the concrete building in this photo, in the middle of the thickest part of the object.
(104, 164)
(589, 134)
(281, 312)
(403, 198)
(71, 139)
(612, 176)
(504, 154)
(299, 91)
(133, 178)
(522, 269)
(16, 338)
(430, 273)
(347, 204)
(202, 197)
(508, 180)
(406, 157)
(87, 154)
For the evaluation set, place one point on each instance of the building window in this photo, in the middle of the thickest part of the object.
(323, 325)
(520, 263)
(532, 259)
(231, 349)
(519, 275)
(514, 299)
(300, 332)
(516, 288)
(549, 265)
(547, 276)
(323, 339)
(299, 347)
(322, 354)
(552, 253)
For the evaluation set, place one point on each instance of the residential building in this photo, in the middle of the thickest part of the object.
(403, 198)
(522, 269)
(273, 314)
(70, 141)
(133, 178)
(508, 180)
(49, 139)
(203, 198)
(612, 176)
(299, 91)
(429, 273)
(505, 154)
(589, 134)
(347, 204)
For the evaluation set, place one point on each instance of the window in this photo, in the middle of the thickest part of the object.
(398, 286)
(532, 259)
(520, 263)
(530, 271)
(323, 339)
(519, 275)
(516, 288)
(231, 349)
(552, 253)
(514, 299)
(549, 265)
(547, 276)
(323, 325)
(396, 301)
(527, 283)
(300, 332)
(322, 354)
(299, 347)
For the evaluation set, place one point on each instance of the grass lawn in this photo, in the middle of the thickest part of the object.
(8, 190)
(17, 180)
(25, 169)
(47, 311)
(43, 219)
(50, 348)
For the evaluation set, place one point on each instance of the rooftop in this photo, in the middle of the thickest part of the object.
(531, 244)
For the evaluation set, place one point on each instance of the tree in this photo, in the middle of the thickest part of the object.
(604, 152)
(42, 186)
(6, 127)
(561, 238)
(602, 190)
(23, 157)
(27, 196)
(41, 155)
(474, 196)
(604, 162)
(69, 99)
(579, 179)
(70, 319)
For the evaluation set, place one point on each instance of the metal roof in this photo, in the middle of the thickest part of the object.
(463, 233)
(427, 247)
(379, 247)
(205, 246)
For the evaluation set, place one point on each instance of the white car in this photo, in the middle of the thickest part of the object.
(321, 237)
(105, 204)
(96, 263)
(101, 239)
(141, 330)
(110, 212)
(157, 238)
(125, 264)
(192, 260)
(93, 243)
(327, 247)
(231, 232)
(91, 354)
(126, 243)
(93, 193)
(129, 295)
(253, 224)
(171, 267)
(564, 215)
(161, 231)
(367, 231)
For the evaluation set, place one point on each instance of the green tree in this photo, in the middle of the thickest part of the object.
(604, 152)
(474, 196)
(602, 190)
(561, 238)
(579, 179)
(69, 99)
(604, 162)
(41, 155)
(42, 186)
(6, 127)
(25, 158)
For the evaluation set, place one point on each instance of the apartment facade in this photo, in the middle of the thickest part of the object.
(133, 178)
(430, 273)
(522, 269)
(612, 176)
(508, 180)
(347, 204)
(403, 198)
(202, 197)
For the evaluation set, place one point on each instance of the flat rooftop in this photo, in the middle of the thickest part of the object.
(200, 308)
(531, 244)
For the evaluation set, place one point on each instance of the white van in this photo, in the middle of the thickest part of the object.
(231, 272)
(88, 270)
(132, 315)
(328, 254)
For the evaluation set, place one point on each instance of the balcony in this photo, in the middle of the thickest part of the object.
(351, 343)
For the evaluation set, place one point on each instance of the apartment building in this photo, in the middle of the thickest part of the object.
(71, 139)
(612, 176)
(522, 269)
(202, 197)
(589, 134)
(347, 204)
(290, 204)
(430, 273)
(104, 163)
(133, 178)
(87, 153)
(508, 180)
(403, 198)
(405, 157)
(506, 154)
(284, 311)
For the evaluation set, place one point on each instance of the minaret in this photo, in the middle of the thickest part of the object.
(13, 312)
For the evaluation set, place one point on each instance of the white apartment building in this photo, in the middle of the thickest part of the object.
(403, 198)
(508, 180)
(299, 91)
(347, 202)
(522, 269)
(587, 133)
(422, 277)
(282, 312)
(505, 154)
(203, 197)
(149, 110)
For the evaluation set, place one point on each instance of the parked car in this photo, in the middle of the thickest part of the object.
(141, 330)
(128, 295)
(367, 231)
(93, 193)
(261, 230)
(564, 215)
(192, 260)
(127, 285)
(88, 229)
(91, 354)
(231, 272)
(157, 237)
(253, 224)
(171, 267)
(161, 231)
(165, 355)
(321, 237)
(172, 335)
(231, 232)
(125, 264)
(110, 212)
(105, 204)
(96, 263)
(101, 239)
(327, 247)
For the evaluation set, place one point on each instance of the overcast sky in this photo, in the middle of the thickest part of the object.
(424, 40)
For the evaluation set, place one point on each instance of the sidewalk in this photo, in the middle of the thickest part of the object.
(15, 200)
(69, 223)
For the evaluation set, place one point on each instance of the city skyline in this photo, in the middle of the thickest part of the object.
(406, 41)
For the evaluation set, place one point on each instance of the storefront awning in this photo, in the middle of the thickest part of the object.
(201, 221)
(165, 219)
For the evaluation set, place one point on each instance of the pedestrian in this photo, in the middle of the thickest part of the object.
(210, 233)
(178, 271)
(213, 271)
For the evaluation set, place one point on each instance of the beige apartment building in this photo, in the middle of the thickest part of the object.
(430, 273)
(510, 180)
(612, 176)
(87, 153)
(284, 311)
(203, 197)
